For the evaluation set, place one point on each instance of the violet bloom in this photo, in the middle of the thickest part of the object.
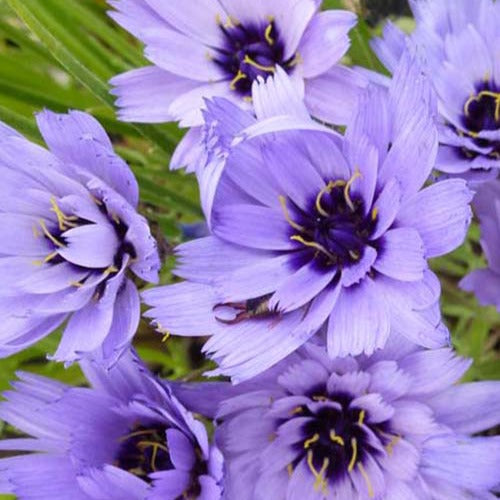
(458, 40)
(126, 437)
(202, 49)
(389, 427)
(71, 238)
(485, 283)
(306, 234)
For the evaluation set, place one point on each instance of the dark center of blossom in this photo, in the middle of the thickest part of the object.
(337, 439)
(481, 113)
(144, 450)
(251, 50)
(55, 234)
(335, 229)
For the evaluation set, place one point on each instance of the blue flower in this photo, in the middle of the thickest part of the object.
(70, 238)
(457, 41)
(392, 426)
(312, 233)
(126, 437)
(219, 48)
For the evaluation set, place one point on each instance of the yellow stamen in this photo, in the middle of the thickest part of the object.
(110, 270)
(289, 468)
(116, 218)
(354, 445)
(156, 447)
(369, 486)
(267, 34)
(290, 221)
(336, 439)
(478, 97)
(239, 76)
(46, 259)
(166, 337)
(355, 255)
(96, 200)
(62, 219)
(375, 213)
(248, 60)
(347, 196)
(76, 284)
(327, 189)
(394, 440)
(361, 418)
(50, 257)
(46, 232)
(296, 411)
(311, 441)
(295, 61)
(248, 98)
(36, 232)
(320, 483)
(137, 433)
(313, 244)
(320, 398)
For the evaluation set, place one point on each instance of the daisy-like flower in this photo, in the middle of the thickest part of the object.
(202, 49)
(306, 234)
(126, 437)
(389, 427)
(71, 238)
(458, 41)
(485, 283)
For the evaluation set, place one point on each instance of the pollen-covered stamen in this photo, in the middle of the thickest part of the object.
(337, 439)
(64, 221)
(143, 451)
(481, 113)
(335, 227)
(251, 50)
(488, 103)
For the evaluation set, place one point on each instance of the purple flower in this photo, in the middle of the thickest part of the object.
(70, 237)
(126, 437)
(391, 426)
(485, 283)
(202, 49)
(307, 234)
(278, 105)
(458, 40)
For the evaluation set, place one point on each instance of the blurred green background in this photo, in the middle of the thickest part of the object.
(59, 54)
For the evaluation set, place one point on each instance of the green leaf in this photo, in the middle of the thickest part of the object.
(66, 48)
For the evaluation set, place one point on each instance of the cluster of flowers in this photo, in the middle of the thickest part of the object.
(313, 283)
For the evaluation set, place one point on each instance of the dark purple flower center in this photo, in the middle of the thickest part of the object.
(144, 450)
(337, 439)
(335, 230)
(55, 235)
(481, 112)
(251, 50)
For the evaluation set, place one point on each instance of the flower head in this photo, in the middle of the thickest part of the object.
(392, 426)
(126, 437)
(221, 47)
(458, 41)
(485, 283)
(307, 234)
(70, 237)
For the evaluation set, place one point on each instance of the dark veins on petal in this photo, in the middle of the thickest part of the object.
(481, 113)
(249, 51)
